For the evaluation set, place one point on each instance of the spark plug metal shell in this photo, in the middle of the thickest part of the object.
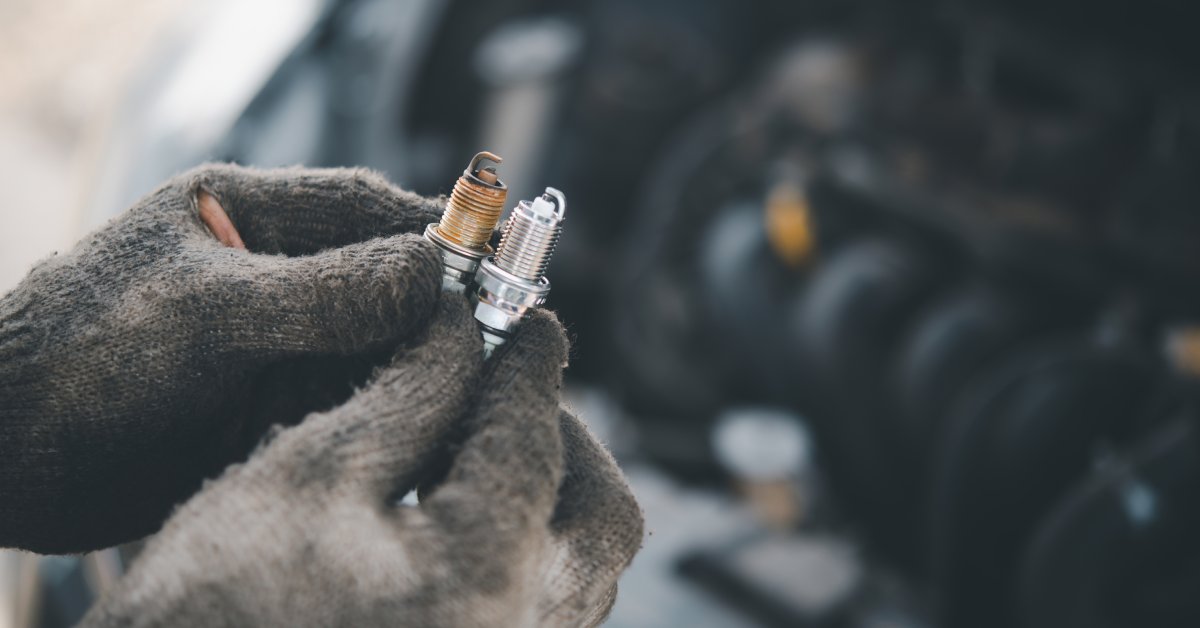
(470, 217)
(513, 280)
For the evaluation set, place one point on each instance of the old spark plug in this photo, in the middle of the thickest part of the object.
(467, 223)
(514, 279)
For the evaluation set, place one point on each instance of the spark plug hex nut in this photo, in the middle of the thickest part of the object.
(503, 301)
(458, 263)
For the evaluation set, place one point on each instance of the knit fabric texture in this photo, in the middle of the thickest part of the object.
(151, 356)
(529, 525)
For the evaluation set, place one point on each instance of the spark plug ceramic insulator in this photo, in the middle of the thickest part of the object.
(514, 280)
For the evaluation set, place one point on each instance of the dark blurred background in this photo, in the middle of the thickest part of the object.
(890, 310)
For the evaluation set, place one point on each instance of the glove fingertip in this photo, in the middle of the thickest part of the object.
(212, 178)
(541, 334)
(425, 259)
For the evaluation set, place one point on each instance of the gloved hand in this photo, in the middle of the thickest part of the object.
(152, 355)
(531, 525)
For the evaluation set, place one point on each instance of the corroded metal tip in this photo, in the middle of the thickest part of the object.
(475, 205)
(488, 175)
(467, 222)
(474, 169)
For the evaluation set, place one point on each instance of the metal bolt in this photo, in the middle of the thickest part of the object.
(467, 223)
(514, 279)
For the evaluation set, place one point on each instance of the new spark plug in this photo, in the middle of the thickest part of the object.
(514, 280)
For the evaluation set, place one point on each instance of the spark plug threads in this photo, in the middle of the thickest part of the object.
(514, 279)
(471, 214)
(530, 236)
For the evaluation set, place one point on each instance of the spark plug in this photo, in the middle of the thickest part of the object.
(471, 214)
(514, 280)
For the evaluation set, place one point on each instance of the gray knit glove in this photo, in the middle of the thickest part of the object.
(152, 355)
(530, 526)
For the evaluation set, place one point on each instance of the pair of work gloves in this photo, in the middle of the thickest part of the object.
(211, 347)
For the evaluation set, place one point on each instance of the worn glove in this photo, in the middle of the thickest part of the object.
(152, 354)
(531, 525)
